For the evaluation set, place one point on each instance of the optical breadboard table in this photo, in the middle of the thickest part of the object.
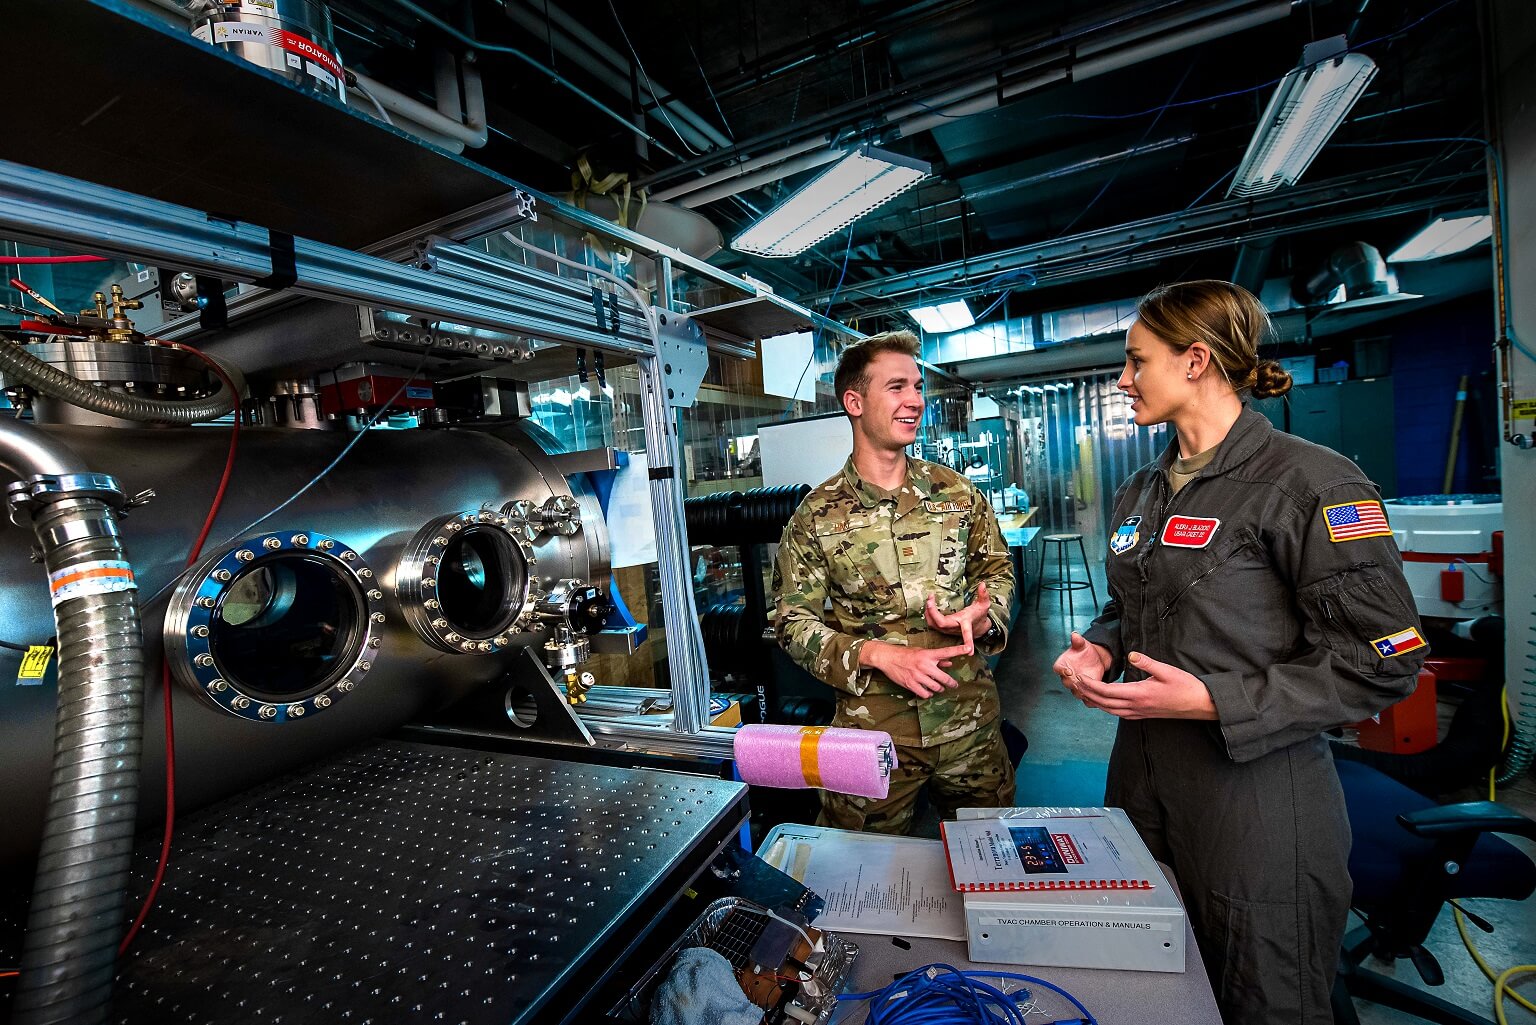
(407, 882)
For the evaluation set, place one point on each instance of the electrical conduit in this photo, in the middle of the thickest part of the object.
(79, 895)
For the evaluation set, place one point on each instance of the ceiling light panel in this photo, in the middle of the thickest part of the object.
(1306, 109)
(1444, 236)
(943, 318)
(849, 189)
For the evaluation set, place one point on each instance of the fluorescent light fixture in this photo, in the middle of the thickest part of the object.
(858, 183)
(1444, 236)
(1309, 105)
(943, 318)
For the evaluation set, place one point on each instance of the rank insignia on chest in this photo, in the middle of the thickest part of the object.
(1125, 538)
(1399, 643)
(1355, 520)
(1189, 531)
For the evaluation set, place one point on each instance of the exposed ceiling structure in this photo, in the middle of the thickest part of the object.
(1080, 150)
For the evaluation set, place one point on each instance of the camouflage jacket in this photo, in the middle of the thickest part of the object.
(857, 563)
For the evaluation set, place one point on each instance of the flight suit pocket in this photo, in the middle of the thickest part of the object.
(1365, 621)
(1203, 579)
(1258, 957)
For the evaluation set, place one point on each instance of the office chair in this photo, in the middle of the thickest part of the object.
(1410, 857)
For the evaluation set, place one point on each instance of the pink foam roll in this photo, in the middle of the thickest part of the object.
(800, 757)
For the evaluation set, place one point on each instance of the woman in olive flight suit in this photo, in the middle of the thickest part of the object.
(1257, 599)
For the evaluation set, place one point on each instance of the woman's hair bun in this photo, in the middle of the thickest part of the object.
(1273, 379)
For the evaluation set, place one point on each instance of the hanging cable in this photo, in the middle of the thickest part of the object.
(165, 668)
(655, 96)
(369, 424)
(816, 335)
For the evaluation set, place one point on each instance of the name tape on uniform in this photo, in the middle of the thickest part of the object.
(1352, 521)
(1399, 643)
(1189, 531)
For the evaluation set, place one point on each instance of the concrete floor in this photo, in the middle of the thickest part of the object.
(1066, 765)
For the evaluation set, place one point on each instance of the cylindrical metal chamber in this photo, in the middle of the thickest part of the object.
(305, 608)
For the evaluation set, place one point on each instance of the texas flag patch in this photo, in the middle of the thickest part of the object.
(1355, 520)
(1399, 643)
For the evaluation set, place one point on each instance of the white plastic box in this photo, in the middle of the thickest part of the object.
(1136, 930)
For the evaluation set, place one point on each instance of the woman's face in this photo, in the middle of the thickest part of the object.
(1154, 377)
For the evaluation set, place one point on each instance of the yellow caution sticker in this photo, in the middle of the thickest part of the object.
(34, 664)
(1523, 409)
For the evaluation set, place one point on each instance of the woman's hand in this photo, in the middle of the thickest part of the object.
(1082, 661)
(1168, 692)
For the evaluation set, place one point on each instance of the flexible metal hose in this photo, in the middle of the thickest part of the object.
(1522, 748)
(21, 367)
(75, 920)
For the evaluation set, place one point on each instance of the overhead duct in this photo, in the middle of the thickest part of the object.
(1252, 263)
(1358, 267)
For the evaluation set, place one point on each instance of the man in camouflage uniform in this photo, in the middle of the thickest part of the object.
(880, 571)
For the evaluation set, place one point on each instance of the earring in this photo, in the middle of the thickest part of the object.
(1189, 377)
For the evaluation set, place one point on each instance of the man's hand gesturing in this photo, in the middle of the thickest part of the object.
(966, 623)
(919, 670)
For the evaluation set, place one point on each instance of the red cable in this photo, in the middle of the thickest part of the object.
(55, 259)
(165, 668)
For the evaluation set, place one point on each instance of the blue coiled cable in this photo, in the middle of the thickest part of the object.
(940, 994)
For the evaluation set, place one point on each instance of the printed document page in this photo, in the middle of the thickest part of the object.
(887, 885)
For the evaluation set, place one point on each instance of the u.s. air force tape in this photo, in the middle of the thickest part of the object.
(86, 578)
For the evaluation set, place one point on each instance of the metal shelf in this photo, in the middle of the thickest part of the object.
(125, 100)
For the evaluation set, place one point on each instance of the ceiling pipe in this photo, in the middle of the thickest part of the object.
(512, 51)
(766, 177)
(840, 40)
(447, 133)
(573, 39)
(743, 168)
(669, 113)
(431, 118)
(1374, 191)
(1162, 45)
(987, 93)
(1075, 168)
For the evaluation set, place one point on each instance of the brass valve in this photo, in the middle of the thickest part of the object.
(115, 313)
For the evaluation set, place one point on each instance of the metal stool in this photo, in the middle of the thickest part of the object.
(1064, 581)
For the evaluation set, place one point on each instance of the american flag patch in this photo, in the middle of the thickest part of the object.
(1354, 520)
(1399, 643)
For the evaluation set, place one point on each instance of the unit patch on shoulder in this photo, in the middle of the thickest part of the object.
(1399, 643)
(1189, 531)
(1352, 521)
(1125, 538)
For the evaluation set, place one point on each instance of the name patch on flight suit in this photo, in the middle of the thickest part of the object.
(1189, 531)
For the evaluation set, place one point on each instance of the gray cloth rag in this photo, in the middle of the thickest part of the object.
(702, 989)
